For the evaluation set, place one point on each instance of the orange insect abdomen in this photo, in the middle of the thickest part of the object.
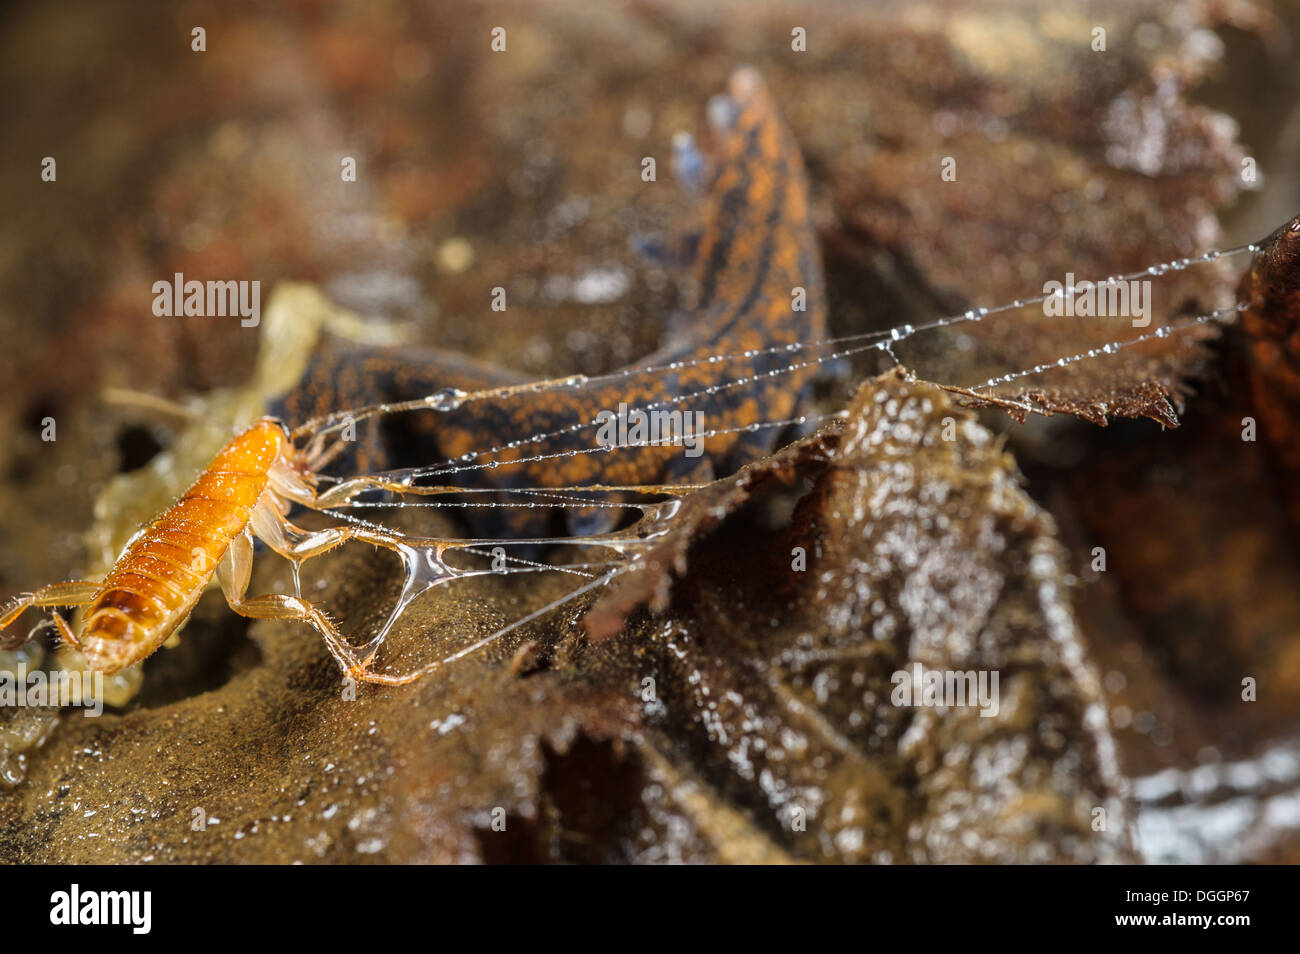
(162, 572)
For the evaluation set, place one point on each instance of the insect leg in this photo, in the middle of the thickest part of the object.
(345, 491)
(233, 573)
(65, 631)
(70, 593)
(236, 568)
(131, 398)
(282, 606)
(299, 545)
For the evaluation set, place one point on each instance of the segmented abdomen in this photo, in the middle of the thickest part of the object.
(162, 572)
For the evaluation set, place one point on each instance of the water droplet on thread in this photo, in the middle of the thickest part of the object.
(448, 399)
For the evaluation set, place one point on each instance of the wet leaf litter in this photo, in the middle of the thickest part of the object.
(562, 748)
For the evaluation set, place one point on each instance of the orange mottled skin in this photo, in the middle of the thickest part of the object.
(162, 572)
(757, 246)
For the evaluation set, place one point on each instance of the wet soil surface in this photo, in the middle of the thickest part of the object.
(732, 700)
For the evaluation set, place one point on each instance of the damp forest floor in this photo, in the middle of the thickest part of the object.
(741, 711)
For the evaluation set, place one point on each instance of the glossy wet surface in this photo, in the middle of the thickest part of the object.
(766, 731)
